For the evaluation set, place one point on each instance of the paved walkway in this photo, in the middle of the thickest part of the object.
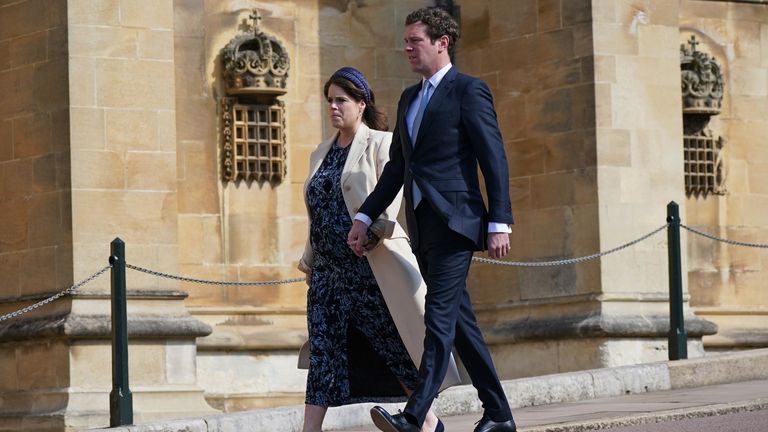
(598, 399)
(633, 409)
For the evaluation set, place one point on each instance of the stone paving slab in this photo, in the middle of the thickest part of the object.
(630, 409)
(754, 421)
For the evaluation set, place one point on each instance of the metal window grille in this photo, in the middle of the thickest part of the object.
(258, 141)
(703, 165)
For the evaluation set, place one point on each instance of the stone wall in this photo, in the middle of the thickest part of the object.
(228, 231)
(89, 154)
(35, 214)
(587, 94)
(727, 282)
(639, 128)
(537, 58)
(123, 135)
(35, 211)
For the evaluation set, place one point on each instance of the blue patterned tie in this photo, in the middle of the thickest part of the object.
(415, 133)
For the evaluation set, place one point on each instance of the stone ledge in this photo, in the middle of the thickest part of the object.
(523, 392)
(613, 326)
(719, 369)
(82, 294)
(738, 339)
(99, 327)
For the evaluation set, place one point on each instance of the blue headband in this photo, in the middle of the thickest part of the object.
(357, 78)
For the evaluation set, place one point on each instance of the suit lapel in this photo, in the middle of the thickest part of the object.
(409, 95)
(435, 101)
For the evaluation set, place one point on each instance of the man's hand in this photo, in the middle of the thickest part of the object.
(308, 278)
(358, 237)
(498, 245)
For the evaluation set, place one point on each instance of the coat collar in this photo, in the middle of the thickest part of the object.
(356, 150)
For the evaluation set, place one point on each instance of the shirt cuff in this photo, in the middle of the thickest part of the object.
(494, 227)
(362, 217)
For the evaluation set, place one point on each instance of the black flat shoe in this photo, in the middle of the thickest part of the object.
(440, 426)
(387, 422)
(487, 425)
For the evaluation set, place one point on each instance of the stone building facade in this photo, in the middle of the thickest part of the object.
(113, 125)
(726, 283)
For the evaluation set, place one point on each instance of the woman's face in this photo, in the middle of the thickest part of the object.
(345, 112)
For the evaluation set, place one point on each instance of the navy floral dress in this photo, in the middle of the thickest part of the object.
(356, 354)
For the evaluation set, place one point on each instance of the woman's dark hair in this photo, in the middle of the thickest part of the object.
(373, 117)
(439, 23)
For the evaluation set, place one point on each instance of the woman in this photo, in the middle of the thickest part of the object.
(353, 339)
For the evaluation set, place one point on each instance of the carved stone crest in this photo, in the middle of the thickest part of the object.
(702, 80)
(255, 62)
(702, 92)
(255, 70)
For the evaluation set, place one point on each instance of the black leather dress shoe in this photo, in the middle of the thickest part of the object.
(387, 422)
(487, 425)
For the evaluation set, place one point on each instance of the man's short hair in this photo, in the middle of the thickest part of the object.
(439, 23)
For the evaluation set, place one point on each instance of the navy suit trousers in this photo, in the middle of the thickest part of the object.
(444, 257)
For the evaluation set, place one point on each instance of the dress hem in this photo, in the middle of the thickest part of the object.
(363, 399)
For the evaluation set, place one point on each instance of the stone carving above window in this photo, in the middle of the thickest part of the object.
(253, 118)
(702, 92)
(702, 80)
(255, 63)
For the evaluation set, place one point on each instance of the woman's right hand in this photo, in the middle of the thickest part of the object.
(307, 277)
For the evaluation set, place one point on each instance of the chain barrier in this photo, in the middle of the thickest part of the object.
(69, 290)
(300, 279)
(733, 242)
(569, 260)
(212, 282)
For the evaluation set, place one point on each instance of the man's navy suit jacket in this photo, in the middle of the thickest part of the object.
(458, 131)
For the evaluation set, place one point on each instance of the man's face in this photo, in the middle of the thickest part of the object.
(422, 54)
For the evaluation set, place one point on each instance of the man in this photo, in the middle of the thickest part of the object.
(445, 127)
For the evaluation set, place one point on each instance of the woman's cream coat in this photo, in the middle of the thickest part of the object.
(392, 261)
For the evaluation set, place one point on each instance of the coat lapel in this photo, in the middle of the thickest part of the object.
(319, 154)
(316, 159)
(356, 150)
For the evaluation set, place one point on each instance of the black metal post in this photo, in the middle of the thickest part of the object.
(678, 340)
(120, 399)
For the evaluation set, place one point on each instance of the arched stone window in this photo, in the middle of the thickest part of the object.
(253, 118)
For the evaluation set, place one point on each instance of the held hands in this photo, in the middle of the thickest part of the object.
(358, 237)
(498, 245)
